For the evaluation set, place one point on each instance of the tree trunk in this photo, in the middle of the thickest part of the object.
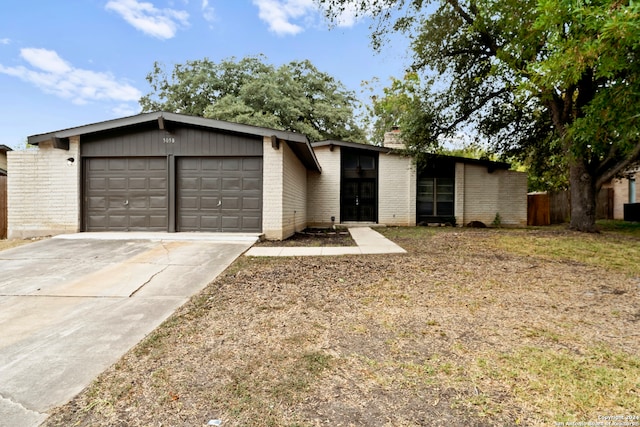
(583, 198)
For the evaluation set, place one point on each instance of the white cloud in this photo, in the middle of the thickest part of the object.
(279, 14)
(282, 15)
(56, 76)
(124, 110)
(207, 11)
(144, 16)
(5, 41)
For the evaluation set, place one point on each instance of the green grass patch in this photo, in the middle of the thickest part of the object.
(564, 386)
(607, 250)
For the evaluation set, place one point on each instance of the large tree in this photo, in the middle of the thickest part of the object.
(554, 81)
(295, 97)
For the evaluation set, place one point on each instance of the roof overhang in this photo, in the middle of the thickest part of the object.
(489, 164)
(298, 142)
(5, 148)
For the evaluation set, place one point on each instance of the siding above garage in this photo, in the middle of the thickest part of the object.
(231, 197)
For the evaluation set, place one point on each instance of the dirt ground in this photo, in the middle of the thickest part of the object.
(457, 332)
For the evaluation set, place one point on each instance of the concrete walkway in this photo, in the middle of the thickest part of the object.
(368, 241)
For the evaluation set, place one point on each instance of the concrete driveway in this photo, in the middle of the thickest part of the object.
(71, 306)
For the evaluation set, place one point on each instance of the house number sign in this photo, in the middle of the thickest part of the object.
(168, 140)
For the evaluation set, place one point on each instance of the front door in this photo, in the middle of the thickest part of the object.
(358, 196)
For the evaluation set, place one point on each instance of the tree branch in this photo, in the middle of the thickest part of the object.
(618, 167)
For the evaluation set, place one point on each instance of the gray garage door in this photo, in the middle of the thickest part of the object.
(126, 194)
(219, 194)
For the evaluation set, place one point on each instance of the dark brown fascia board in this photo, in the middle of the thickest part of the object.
(357, 145)
(489, 164)
(5, 148)
(162, 117)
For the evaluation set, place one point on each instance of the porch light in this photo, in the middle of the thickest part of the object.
(70, 161)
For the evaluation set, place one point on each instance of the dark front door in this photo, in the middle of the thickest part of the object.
(358, 195)
(359, 200)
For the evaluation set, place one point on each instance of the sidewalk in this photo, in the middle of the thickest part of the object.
(368, 241)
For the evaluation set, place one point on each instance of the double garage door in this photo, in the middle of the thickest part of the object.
(209, 194)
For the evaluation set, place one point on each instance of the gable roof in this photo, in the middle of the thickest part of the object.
(299, 143)
(489, 164)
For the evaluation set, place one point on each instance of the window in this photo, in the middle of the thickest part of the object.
(435, 196)
(632, 189)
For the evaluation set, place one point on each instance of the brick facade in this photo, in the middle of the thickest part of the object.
(486, 194)
(397, 182)
(43, 191)
(284, 199)
(323, 201)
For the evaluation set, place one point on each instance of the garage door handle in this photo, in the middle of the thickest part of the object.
(219, 203)
(126, 202)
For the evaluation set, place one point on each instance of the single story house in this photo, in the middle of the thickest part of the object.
(3, 159)
(625, 192)
(175, 173)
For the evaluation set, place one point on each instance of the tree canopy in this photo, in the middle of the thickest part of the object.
(294, 97)
(554, 82)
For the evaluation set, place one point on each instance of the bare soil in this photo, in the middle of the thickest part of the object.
(314, 237)
(379, 340)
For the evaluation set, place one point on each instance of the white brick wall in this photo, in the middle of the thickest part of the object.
(323, 199)
(284, 198)
(396, 190)
(272, 179)
(43, 191)
(485, 194)
(294, 214)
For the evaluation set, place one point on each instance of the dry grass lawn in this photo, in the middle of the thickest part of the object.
(470, 328)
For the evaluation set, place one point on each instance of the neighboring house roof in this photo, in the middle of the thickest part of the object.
(491, 165)
(299, 143)
(3, 151)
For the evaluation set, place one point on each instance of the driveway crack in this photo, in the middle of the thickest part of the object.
(148, 280)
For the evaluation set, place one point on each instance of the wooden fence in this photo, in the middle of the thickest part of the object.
(555, 207)
(3, 207)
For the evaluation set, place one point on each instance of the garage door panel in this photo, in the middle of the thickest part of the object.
(115, 183)
(249, 222)
(208, 183)
(115, 165)
(97, 183)
(209, 203)
(220, 192)
(251, 203)
(231, 184)
(252, 184)
(126, 194)
(210, 222)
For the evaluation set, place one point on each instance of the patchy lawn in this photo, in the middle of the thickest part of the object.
(473, 327)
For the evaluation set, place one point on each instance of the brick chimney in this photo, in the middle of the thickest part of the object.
(393, 139)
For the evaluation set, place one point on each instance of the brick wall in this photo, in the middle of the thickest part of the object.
(486, 194)
(294, 214)
(284, 198)
(323, 200)
(43, 191)
(396, 190)
(272, 178)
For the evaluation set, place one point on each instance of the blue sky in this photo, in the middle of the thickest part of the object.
(74, 62)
